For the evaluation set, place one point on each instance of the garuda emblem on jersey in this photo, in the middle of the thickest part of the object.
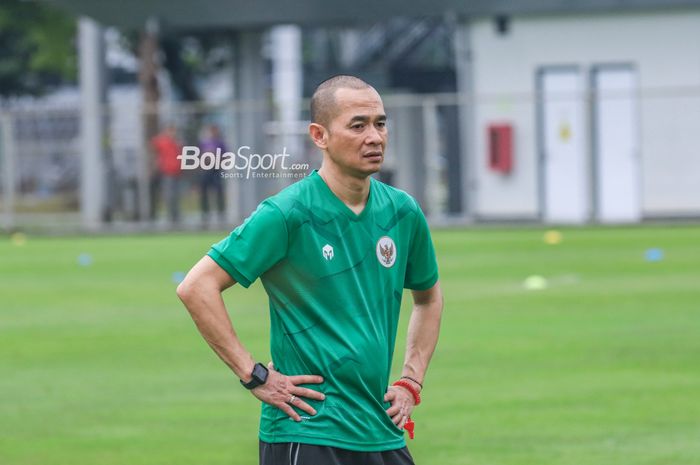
(386, 251)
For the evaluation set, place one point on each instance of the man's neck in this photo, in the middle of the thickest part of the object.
(352, 191)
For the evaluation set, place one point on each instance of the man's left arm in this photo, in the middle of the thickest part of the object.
(423, 331)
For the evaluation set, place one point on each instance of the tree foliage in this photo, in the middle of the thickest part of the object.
(37, 47)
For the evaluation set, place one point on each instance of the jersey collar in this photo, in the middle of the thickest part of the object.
(339, 204)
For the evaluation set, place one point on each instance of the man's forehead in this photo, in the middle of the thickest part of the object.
(363, 100)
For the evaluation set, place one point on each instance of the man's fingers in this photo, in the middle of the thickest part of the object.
(309, 394)
(400, 418)
(286, 407)
(397, 411)
(290, 391)
(393, 410)
(306, 379)
(289, 411)
(300, 404)
(390, 395)
(403, 421)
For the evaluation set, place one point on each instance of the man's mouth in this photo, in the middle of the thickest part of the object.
(373, 155)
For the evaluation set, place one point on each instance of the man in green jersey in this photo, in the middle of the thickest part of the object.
(334, 252)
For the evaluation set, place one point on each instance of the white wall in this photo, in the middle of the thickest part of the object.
(664, 48)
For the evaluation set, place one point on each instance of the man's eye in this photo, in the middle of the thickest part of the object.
(381, 124)
(357, 126)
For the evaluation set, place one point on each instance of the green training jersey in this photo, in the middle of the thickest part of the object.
(335, 281)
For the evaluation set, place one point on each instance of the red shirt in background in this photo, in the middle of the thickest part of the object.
(168, 150)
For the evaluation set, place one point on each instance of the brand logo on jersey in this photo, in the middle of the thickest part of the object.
(386, 251)
(327, 252)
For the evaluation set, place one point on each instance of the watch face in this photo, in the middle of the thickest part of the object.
(259, 376)
(260, 373)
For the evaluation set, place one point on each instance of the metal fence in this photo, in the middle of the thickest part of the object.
(40, 161)
(40, 166)
(440, 150)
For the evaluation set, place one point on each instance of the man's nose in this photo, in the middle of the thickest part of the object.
(374, 136)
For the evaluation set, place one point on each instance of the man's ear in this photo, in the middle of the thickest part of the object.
(319, 135)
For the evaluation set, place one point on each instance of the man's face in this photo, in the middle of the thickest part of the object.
(357, 133)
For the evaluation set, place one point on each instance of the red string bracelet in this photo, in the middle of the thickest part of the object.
(409, 387)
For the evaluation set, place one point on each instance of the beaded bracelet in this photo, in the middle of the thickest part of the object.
(409, 387)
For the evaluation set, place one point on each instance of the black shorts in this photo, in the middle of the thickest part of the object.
(295, 453)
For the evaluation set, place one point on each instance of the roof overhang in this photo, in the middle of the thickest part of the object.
(250, 14)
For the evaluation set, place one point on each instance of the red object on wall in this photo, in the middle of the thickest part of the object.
(500, 148)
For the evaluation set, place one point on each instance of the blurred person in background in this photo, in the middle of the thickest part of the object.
(166, 147)
(210, 183)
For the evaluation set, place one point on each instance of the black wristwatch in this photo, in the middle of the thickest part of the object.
(259, 375)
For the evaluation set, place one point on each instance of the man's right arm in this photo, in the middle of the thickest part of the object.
(200, 291)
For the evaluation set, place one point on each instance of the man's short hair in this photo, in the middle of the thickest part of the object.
(323, 105)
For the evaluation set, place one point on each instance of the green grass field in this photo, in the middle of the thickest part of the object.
(101, 364)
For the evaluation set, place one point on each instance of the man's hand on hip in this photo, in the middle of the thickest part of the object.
(284, 392)
(402, 404)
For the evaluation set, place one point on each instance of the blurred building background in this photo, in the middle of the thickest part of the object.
(534, 111)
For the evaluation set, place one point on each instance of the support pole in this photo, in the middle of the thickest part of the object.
(467, 111)
(92, 115)
(9, 178)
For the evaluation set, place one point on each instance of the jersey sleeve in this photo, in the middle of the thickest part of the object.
(253, 247)
(421, 269)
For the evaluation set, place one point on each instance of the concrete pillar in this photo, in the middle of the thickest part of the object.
(410, 142)
(453, 154)
(467, 109)
(92, 119)
(251, 116)
(286, 72)
(287, 89)
(431, 152)
(9, 176)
